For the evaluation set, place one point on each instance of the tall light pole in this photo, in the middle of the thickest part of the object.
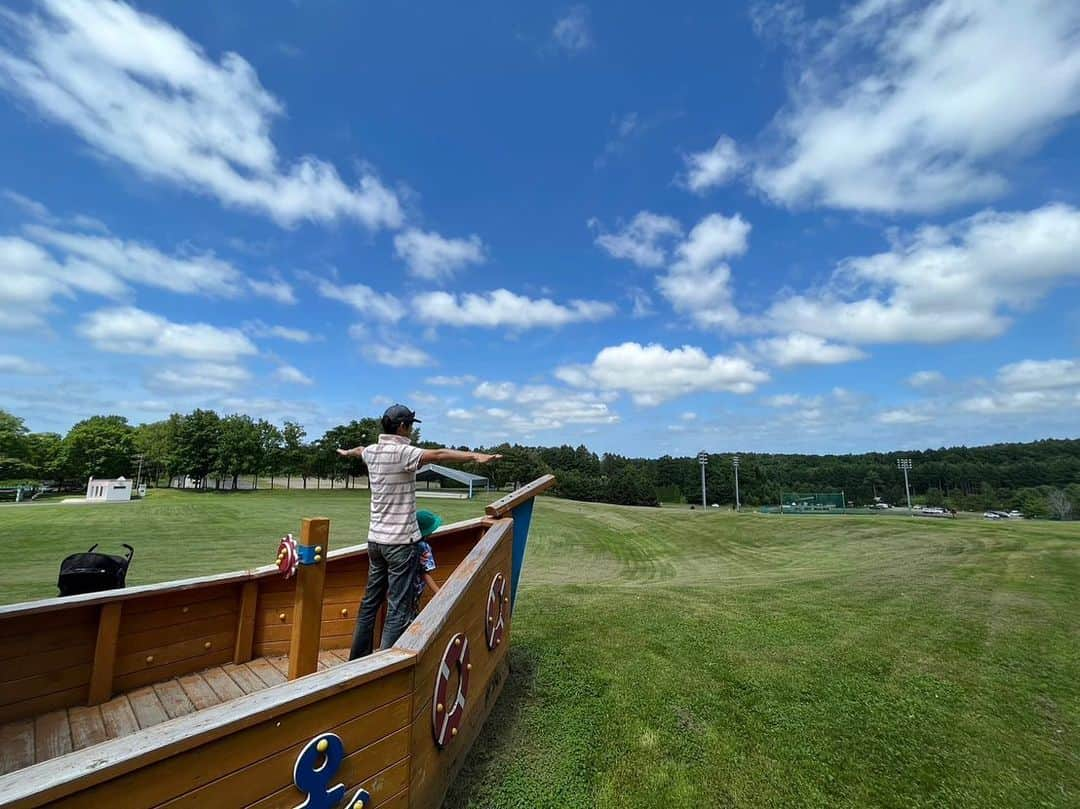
(703, 459)
(735, 463)
(905, 464)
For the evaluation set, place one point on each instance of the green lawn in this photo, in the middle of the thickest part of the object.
(671, 658)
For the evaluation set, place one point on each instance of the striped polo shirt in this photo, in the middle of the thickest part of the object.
(392, 465)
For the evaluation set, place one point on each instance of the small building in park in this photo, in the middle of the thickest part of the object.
(108, 490)
(433, 472)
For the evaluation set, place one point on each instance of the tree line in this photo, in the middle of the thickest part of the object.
(1039, 478)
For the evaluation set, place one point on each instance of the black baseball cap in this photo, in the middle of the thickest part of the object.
(399, 414)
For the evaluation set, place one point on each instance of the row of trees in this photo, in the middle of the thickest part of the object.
(1041, 477)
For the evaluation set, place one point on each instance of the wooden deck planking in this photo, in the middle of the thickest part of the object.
(16, 745)
(224, 685)
(173, 699)
(87, 727)
(118, 717)
(52, 735)
(198, 691)
(244, 677)
(30, 741)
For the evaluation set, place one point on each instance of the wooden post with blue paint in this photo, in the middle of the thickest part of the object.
(519, 506)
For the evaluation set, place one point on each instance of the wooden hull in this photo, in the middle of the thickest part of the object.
(65, 654)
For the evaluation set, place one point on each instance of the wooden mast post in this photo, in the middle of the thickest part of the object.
(307, 606)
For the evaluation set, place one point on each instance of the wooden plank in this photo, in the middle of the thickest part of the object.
(16, 745)
(245, 622)
(49, 702)
(504, 505)
(326, 660)
(224, 685)
(265, 671)
(354, 772)
(170, 759)
(154, 674)
(304, 644)
(398, 801)
(147, 641)
(243, 677)
(87, 727)
(380, 734)
(43, 684)
(198, 691)
(118, 718)
(281, 663)
(18, 668)
(173, 699)
(182, 613)
(167, 600)
(147, 707)
(52, 735)
(341, 654)
(340, 626)
(77, 636)
(101, 674)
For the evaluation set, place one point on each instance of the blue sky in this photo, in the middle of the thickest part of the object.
(777, 228)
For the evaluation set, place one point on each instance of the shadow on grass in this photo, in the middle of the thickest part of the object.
(499, 735)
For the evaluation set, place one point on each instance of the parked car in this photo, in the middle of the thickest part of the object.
(991, 515)
(881, 505)
(1015, 515)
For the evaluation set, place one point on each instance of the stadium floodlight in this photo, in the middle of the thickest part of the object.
(735, 463)
(905, 464)
(703, 459)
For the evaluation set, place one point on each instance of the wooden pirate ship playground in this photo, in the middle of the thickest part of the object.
(235, 690)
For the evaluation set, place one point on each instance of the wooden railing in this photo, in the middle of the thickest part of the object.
(81, 650)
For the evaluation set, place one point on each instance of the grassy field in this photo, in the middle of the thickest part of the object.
(671, 658)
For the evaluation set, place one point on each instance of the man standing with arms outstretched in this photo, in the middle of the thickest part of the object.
(392, 465)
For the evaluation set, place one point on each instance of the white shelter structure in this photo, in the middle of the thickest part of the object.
(108, 490)
(433, 472)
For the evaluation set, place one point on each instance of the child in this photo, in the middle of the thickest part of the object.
(425, 558)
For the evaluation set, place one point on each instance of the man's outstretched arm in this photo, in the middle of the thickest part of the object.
(456, 455)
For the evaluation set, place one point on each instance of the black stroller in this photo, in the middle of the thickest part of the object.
(92, 572)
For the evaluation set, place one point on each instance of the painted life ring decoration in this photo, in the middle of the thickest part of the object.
(288, 557)
(497, 604)
(446, 716)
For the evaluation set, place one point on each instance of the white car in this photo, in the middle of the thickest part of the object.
(1015, 515)
(882, 505)
(991, 515)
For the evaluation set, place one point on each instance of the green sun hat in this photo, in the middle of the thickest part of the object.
(428, 522)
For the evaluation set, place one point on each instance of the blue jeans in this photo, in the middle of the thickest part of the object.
(387, 564)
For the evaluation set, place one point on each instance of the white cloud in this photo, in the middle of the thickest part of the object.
(115, 261)
(292, 375)
(904, 415)
(1040, 374)
(925, 379)
(256, 328)
(912, 106)
(543, 407)
(128, 330)
(653, 374)
(276, 289)
(502, 308)
(1023, 401)
(641, 241)
(11, 364)
(141, 93)
(432, 257)
(201, 378)
(804, 349)
(375, 305)
(571, 31)
(793, 400)
(698, 283)
(713, 167)
(451, 381)
(397, 356)
(28, 284)
(460, 414)
(943, 283)
(688, 416)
